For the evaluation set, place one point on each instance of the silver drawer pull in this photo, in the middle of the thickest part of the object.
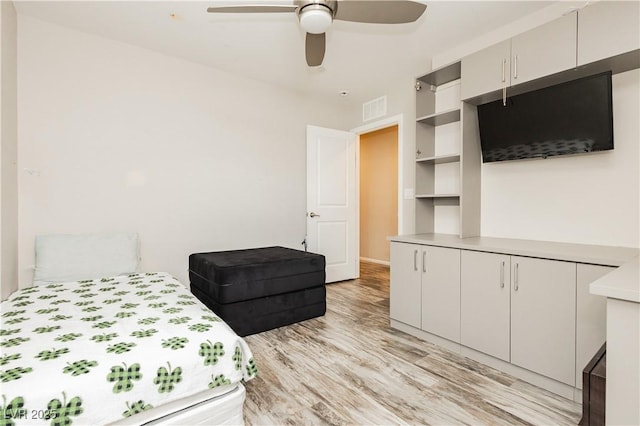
(515, 278)
(502, 275)
(424, 261)
(415, 260)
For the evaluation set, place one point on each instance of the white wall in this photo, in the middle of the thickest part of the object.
(591, 199)
(8, 151)
(400, 102)
(116, 137)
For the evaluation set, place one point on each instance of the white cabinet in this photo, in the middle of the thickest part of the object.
(425, 288)
(406, 286)
(534, 313)
(542, 51)
(607, 29)
(521, 310)
(543, 317)
(485, 302)
(486, 70)
(591, 317)
(441, 292)
(520, 306)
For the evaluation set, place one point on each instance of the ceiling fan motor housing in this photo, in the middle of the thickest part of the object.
(316, 16)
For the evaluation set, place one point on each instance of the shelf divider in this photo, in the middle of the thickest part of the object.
(441, 118)
(442, 75)
(439, 159)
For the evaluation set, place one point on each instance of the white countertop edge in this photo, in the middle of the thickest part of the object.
(623, 283)
(580, 253)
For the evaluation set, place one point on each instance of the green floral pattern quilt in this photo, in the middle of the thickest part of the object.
(94, 351)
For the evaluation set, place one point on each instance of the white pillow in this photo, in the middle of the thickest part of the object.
(62, 258)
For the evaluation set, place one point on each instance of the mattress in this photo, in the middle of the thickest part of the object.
(257, 315)
(219, 406)
(96, 351)
(237, 275)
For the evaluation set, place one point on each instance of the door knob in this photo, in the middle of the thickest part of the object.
(312, 214)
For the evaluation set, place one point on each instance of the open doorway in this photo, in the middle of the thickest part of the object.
(378, 192)
(333, 180)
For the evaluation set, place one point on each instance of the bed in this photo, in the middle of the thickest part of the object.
(135, 348)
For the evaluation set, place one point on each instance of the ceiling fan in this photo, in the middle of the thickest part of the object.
(316, 16)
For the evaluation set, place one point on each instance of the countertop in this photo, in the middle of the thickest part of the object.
(623, 283)
(581, 253)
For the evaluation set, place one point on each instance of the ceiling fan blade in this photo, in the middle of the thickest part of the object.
(314, 49)
(380, 12)
(251, 8)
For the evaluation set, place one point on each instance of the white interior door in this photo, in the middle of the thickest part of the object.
(332, 228)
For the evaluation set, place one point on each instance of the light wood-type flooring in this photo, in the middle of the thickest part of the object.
(350, 367)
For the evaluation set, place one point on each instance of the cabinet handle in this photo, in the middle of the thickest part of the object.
(424, 261)
(502, 275)
(415, 260)
(504, 82)
(515, 278)
(515, 66)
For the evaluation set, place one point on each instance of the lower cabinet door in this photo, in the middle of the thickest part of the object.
(485, 302)
(441, 292)
(543, 317)
(404, 298)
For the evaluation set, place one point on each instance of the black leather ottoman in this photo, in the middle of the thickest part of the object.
(255, 290)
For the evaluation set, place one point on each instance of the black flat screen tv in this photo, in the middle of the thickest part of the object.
(569, 118)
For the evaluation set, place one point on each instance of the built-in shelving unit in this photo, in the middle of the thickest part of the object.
(441, 166)
(477, 309)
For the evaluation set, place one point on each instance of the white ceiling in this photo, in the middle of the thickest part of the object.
(360, 58)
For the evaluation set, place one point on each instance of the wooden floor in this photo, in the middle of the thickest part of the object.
(350, 367)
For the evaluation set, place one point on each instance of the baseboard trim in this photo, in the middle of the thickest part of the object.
(379, 262)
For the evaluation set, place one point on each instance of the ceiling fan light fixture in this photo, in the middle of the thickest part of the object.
(316, 20)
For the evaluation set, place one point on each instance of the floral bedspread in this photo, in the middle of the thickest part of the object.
(94, 351)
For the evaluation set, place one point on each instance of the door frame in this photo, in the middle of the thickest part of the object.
(372, 127)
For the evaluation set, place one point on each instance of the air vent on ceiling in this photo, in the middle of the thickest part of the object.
(374, 109)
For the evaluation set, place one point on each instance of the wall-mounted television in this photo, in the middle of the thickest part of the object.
(569, 118)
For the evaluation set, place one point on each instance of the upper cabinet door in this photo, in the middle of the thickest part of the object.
(544, 50)
(607, 29)
(485, 71)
